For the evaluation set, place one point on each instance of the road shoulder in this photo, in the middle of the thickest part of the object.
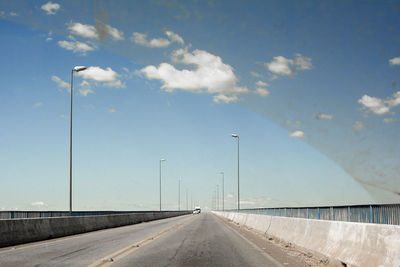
(286, 253)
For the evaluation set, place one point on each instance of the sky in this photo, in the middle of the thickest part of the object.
(310, 87)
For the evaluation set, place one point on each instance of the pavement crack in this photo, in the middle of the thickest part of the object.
(69, 254)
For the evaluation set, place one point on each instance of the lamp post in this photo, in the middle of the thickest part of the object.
(217, 197)
(223, 193)
(76, 69)
(187, 208)
(237, 137)
(179, 195)
(161, 160)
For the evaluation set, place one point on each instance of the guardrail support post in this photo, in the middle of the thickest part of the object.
(371, 220)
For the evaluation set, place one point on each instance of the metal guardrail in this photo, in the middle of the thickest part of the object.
(380, 214)
(42, 214)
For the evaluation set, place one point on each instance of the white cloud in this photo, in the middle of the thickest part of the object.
(174, 37)
(225, 98)
(302, 62)
(100, 31)
(284, 66)
(86, 91)
(374, 104)
(322, 116)
(111, 110)
(388, 120)
(98, 74)
(60, 83)
(13, 14)
(262, 84)
(116, 83)
(141, 39)
(262, 91)
(106, 76)
(75, 46)
(358, 125)
(51, 8)
(210, 75)
(394, 61)
(378, 105)
(280, 65)
(229, 195)
(395, 100)
(38, 204)
(297, 134)
(255, 74)
(38, 104)
(83, 30)
(114, 32)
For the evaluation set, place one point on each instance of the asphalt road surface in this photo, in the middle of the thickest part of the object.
(191, 240)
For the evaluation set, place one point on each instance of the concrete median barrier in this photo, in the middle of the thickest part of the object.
(20, 231)
(354, 244)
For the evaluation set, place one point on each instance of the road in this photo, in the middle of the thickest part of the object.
(191, 240)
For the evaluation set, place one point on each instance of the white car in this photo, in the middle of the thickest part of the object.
(197, 210)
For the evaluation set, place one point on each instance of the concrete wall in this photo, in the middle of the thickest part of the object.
(356, 244)
(19, 231)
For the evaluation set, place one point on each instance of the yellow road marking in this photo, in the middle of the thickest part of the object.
(110, 259)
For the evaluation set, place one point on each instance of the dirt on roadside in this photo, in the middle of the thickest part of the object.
(284, 252)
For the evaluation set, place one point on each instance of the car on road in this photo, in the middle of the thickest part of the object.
(196, 210)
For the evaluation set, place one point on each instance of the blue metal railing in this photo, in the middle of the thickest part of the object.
(380, 214)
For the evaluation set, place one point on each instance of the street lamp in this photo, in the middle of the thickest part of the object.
(187, 208)
(217, 197)
(161, 160)
(179, 195)
(237, 136)
(223, 193)
(76, 69)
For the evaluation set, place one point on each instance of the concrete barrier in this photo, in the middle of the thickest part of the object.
(20, 231)
(354, 244)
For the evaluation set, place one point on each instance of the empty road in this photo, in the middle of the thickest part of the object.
(190, 240)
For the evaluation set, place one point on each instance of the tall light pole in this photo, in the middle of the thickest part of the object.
(179, 195)
(187, 208)
(217, 197)
(161, 160)
(223, 193)
(237, 137)
(76, 69)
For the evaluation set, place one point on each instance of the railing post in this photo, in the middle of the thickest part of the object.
(371, 220)
(319, 215)
(348, 214)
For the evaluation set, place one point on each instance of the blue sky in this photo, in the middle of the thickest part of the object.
(310, 87)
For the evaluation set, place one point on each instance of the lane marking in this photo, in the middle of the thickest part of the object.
(269, 257)
(110, 259)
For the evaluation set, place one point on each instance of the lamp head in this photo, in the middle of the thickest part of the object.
(79, 68)
(235, 135)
